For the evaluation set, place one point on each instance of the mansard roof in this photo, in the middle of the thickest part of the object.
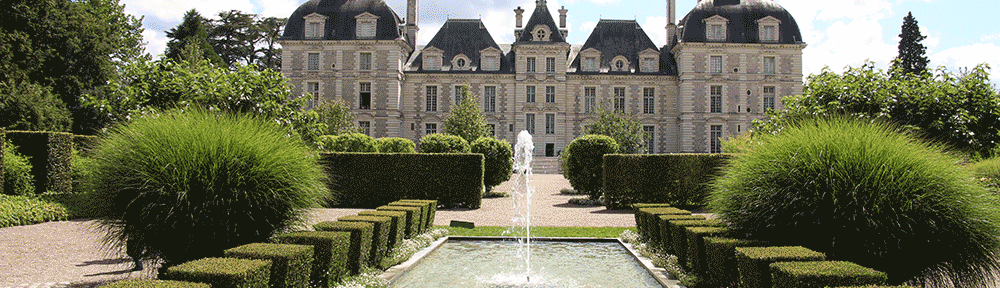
(341, 23)
(741, 16)
(541, 16)
(624, 38)
(464, 37)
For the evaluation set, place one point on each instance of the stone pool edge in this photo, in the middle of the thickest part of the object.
(392, 274)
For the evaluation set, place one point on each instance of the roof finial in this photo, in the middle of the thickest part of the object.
(540, 3)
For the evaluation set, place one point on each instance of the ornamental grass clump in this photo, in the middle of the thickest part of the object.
(863, 192)
(187, 185)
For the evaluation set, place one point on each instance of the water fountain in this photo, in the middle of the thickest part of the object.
(522, 191)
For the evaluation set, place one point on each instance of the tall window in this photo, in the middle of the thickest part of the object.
(490, 99)
(432, 99)
(364, 95)
(589, 100)
(366, 127)
(430, 128)
(768, 98)
(769, 65)
(530, 65)
(716, 32)
(550, 94)
(716, 64)
(716, 139)
(550, 65)
(716, 99)
(590, 64)
(550, 124)
(458, 95)
(365, 61)
(314, 30)
(769, 33)
(529, 123)
(367, 29)
(648, 100)
(649, 137)
(313, 89)
(619, 99)
(529, 94)
(313, 61)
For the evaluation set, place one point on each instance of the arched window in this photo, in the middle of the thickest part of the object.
(460, 63)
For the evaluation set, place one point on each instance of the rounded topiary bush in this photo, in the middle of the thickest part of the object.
(498, 160)
(188, 185)
(443, 143)
(17, 178)
(349, 142)
(584, 163)
(862, 192)
(395, 145)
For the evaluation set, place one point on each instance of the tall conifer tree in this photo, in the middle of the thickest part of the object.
(912, 54)
(191, 30)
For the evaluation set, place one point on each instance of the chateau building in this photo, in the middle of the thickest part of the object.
(724, 64)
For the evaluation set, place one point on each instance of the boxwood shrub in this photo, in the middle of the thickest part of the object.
(290, 263)
(665, 230)
(583, 163)
(650, 224)
(394, 145)
(443, 143)
(413, 218)
(676, 179)
(754, 262)
(361, 241)
(51, 155)
(498, 158)
(820, 274)
(720, 255)
(380, 235)
(425, 213)
(678, 234)
(329, 263)
(223, 272)
(367, 180)
(349, 142)
(697, 258)
(431, 206)
(153, 283)
(397, 227)
(638, 216)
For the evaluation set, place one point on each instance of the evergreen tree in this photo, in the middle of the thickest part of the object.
(623, 128)
(234, 36)
(191, 30)
(466, 119)
(269, 55)
(912, 54)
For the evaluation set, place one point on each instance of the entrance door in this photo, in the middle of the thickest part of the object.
(550, 149)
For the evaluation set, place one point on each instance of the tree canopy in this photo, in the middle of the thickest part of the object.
(466, 118)
(625, 129)
(912, 54)
(191, 34)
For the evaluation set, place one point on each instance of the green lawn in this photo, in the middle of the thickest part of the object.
(599, 232)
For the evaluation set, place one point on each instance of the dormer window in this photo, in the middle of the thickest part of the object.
(489, 59)
(649, 60)
(541, 33)
(314, 25)
(620, 64)
(591, 60)
(768, 27)
(460, 62)
(366, 25)
(716, 28)
(433, 63)
(590, 64)
(432, 58)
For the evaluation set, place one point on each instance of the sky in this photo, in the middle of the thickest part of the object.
(839, 33)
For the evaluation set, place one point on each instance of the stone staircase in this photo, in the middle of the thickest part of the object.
(545, 165)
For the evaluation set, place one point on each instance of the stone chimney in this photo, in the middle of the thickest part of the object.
(671, 22)
(411, 23)
(518, 16)
(562, 17)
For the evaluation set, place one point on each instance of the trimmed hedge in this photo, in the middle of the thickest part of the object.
(821, 274)
(678, 234)
(290, 263)
(395, 145)
(397, 227)
(412, 218)
(877, 286)
(223, 272)
(666, 233)
(721, 260)
(647, 220)
(425, 213)
(366, 180)
(635, 210)
(677, 179)
(328, 263)
(350, 142)
(152, 283)
(498, 159)
(754, 262)
(380, 235)
(3, 139)
(582, 163)
(361, 241)
(697, 257)
(84, 143)
(431, 204)
(51, 156)
(443, 143)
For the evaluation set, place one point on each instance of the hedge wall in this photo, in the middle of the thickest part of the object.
(820, 274)
(648, 224)
(754, 262)
(3, 137)
(676, 179)
(678, 234)
(697, 258)
(361, 241)
(666, 232)
(365, 180)
(51, 158)
(328, 264)
(721, 260)
(431, 205)
(425, 213)
(152, 283)
(223, 272)
(412, 218)
(380, 235)
(397, 227)
(290, 263)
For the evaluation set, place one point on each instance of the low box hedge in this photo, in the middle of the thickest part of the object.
(361, 241)
(290, 263)
(51, 160)
(665, 230)
(720, 255)
(754, 262)
(697, 258)
(328, 264)
(638, 218)
(380, 235)
(678, 234)
(677, 179)
(820, 274)
(412, 218)
(425, 213)
(153, 283)
(649, 221)
(3, 139)
(876, 286)
(367, 180)
(397, 228)
(432, 204)
(223, 272)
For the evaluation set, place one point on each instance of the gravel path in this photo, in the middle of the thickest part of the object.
(69, 253)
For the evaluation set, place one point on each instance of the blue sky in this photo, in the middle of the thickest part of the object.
(839, 33)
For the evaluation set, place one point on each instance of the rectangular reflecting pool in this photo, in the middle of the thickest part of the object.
(473, 263)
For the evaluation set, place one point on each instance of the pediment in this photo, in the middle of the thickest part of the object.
(590, 51)
(432, 49)
(366, 15)
(716, 19)
(649, 52)
(769, 20)
(314, 16)
(490, 50)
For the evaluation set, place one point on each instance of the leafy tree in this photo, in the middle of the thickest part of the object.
(233, 36)
(337, 117)
(957, 109)
(269, 55)
(192, 30)
(466, 119)
(912, 55)
(624, 128)
(29, 106)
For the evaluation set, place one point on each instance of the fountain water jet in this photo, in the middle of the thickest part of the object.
(522, 193)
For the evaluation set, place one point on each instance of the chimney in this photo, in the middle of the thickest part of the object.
(671, 22)
(562, 17)
(411, 23)
(518, 16)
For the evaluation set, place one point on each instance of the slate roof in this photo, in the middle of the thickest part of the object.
(341, 24)
(542, 16)
(463, 36)
(622, 38)
(743, 16)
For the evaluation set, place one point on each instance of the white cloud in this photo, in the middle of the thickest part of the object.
(848, 44)
(499, 23)
(969, 56)
(282, 8)
(932, 41)
(990, 37)
(605, 2)
(173, 10)
(587, 27)
(427, 31)
(654, 26)
(156, 42)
